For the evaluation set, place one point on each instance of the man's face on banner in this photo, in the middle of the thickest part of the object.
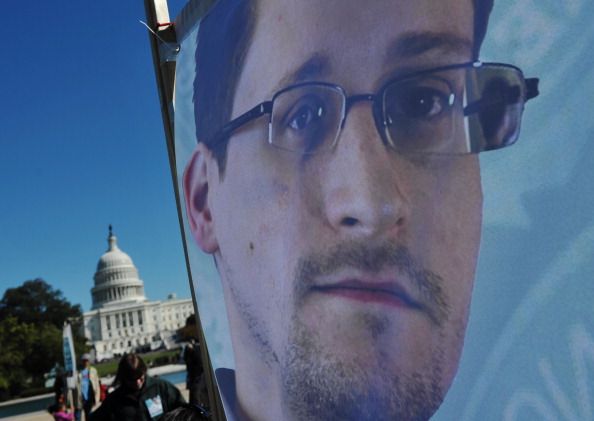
(347, 275)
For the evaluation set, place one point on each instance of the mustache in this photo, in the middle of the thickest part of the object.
(373, 259)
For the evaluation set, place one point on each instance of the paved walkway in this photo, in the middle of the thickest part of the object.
(45, 416)
(33, 416)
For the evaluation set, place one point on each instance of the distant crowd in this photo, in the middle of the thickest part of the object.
(133, 395)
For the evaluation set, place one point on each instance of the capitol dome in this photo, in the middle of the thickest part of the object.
(116, 278)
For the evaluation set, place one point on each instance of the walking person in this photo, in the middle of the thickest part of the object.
(195, 374)
(88, 388)
(60, 412)
(137, 396)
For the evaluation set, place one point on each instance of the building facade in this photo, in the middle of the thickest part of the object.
(121, 318)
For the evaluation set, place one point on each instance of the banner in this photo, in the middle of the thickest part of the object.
(69, 355)
(383, 221)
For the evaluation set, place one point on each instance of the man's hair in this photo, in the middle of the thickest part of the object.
(482, 10)
(223, 39)
(130, 368)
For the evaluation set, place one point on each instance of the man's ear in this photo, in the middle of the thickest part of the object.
(195, 184)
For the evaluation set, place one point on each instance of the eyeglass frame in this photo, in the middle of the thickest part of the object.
(266, 107)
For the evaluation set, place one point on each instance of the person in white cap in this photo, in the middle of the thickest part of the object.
(88, 387)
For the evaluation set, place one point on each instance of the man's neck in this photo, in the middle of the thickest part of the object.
(258, 395)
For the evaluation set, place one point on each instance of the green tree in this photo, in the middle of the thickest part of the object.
(37, 302)
(17, 341)
(46, 351)
(39, 311)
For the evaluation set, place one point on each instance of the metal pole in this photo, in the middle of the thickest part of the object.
(157, 15)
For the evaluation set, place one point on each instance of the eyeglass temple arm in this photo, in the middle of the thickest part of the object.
(531, 92)
(256, 112)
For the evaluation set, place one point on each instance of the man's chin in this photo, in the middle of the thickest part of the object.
(319, 383)
(396, 337)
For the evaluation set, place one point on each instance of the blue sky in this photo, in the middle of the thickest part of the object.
(82, 146)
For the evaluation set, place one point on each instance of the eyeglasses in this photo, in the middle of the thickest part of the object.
(456, 109)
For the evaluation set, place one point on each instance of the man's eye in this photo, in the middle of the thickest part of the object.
(304, 118)
(304, 115)
(417, 103)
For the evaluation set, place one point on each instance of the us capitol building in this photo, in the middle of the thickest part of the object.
(121, 318)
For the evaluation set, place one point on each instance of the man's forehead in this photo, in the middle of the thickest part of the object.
(407, 46)
(312, 39)
(305, 16)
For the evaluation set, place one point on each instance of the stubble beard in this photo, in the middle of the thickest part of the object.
(318, 385)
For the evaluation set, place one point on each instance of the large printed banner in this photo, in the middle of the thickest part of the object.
(379, 226)
(69, 355)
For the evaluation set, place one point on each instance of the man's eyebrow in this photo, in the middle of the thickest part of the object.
(317, 66)
(412, 44)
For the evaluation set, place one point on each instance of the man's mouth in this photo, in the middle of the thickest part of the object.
(387, 293)
(382, 275)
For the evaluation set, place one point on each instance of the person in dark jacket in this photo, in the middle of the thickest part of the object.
(137, 397)
(195, 381)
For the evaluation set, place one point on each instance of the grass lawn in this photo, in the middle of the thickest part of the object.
(152, 359)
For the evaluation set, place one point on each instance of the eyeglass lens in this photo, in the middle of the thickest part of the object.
(456, 111)
(307, 118)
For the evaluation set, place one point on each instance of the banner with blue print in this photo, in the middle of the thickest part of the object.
(529, 350)
(353, 255)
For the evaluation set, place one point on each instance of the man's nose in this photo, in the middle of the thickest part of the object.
(364, 189)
